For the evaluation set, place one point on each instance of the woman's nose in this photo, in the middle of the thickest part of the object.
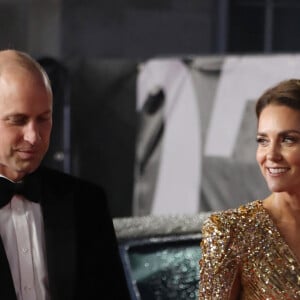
(274, 153)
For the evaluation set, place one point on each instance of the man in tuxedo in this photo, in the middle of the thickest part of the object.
(57, 237)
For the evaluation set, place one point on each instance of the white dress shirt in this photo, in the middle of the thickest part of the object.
(21, 230)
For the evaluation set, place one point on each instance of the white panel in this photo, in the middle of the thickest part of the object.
(177, 190)
(243, 78)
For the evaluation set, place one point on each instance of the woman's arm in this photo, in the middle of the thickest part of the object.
(219, 263)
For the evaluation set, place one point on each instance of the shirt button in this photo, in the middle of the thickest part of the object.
(25, 250)
(27, 288)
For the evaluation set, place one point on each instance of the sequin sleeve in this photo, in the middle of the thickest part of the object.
(219, 260)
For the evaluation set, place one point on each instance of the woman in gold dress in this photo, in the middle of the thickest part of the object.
(253, 252)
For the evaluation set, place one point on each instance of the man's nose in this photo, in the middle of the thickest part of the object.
(31, 133)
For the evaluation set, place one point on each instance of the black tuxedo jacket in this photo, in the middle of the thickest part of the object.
(81, 248)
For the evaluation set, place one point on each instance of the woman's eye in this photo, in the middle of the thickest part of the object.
(261, 140)
(289, 139)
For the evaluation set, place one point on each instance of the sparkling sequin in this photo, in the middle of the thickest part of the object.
(244, 243)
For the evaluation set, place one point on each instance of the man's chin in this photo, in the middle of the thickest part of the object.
(26, 168)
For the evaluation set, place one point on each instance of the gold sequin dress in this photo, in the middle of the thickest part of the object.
(245, 241)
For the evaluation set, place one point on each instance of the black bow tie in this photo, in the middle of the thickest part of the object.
(28, 187)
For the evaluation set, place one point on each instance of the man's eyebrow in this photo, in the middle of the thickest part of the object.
(14, 115)
(47, 112)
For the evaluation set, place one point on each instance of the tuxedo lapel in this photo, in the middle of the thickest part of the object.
(7, 290)
(58, 212)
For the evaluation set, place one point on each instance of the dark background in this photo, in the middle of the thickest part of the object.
(92, 50)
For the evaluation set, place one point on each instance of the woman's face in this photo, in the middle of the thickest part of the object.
(278, 150)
